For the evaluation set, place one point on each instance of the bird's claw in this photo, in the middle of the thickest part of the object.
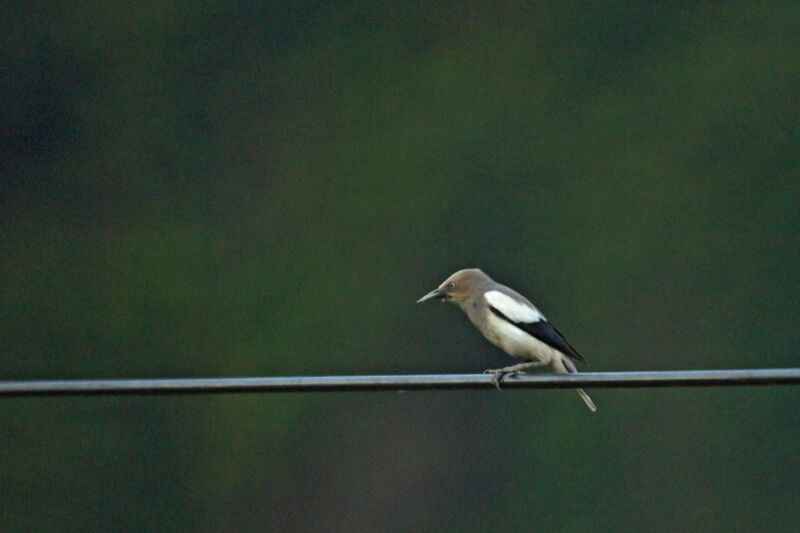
(499, 373)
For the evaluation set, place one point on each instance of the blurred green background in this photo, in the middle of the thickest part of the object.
(264, 189)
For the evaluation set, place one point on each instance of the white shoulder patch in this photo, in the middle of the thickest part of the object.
(513, 309)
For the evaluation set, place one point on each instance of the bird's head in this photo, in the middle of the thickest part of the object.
(458, 287)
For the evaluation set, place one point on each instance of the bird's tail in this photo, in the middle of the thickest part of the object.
(569, 366)
(588, 401)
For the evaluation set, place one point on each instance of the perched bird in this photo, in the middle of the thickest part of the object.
(511, 323)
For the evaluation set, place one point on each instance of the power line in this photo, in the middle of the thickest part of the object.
(671, 378)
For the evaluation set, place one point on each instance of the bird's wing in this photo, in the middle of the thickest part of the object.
(526, 317)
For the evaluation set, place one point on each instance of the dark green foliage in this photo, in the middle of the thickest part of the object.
(223, 189)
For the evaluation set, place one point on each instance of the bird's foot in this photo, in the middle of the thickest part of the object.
(514, 370)
(499, 373)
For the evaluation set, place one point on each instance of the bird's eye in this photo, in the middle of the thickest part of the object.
(452, 285)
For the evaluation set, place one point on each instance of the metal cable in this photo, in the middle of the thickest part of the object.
(670, 378)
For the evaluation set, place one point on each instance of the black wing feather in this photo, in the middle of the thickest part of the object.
(545, 332)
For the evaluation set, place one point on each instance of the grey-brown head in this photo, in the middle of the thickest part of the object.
(458, 287)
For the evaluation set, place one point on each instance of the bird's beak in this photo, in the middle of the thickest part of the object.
(434, 294)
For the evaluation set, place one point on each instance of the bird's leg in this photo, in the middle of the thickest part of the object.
(499, 373)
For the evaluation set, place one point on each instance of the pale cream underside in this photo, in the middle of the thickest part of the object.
(518, 343)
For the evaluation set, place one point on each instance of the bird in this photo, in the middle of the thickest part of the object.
(510, 322)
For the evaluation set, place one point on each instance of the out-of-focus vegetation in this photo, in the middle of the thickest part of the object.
(235, 189)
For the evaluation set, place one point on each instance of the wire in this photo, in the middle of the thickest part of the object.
(672, 378)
